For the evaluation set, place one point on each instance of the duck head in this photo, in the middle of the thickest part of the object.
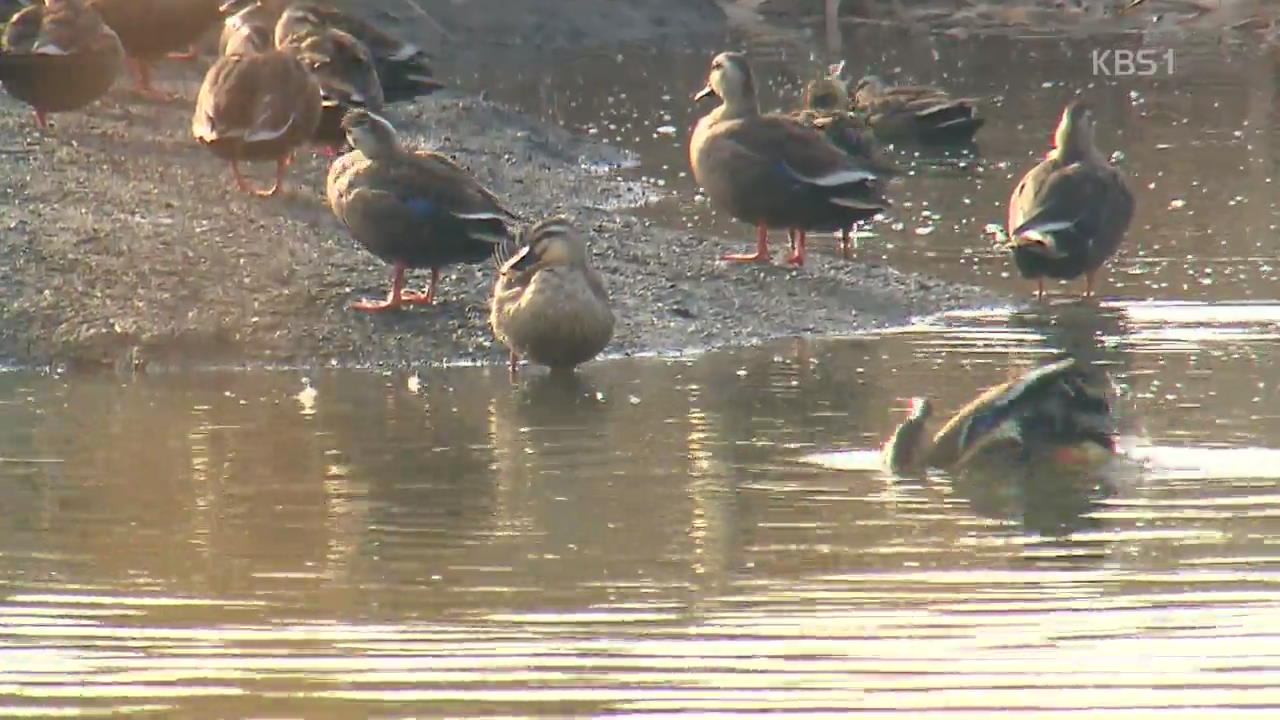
(870, 84)
(296, 23)
(248, 40)
(906, 450)
(551, 242)
(730, 80)
(1074, 134)
(370, 133)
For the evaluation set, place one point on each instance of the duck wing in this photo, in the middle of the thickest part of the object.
(256, 98)
(1069, 210)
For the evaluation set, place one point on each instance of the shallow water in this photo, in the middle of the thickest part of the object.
(706, 536)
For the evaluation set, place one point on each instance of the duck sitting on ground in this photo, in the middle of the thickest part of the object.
(772, 171)
(1057, 414)
(153, 29)
(915, 113)
(343, 67)
(1070, 213)
(548, 303)
(59, 56)
(411, 209)
(256, 103)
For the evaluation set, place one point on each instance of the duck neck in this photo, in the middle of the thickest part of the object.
(1071, 147)
(740, 103)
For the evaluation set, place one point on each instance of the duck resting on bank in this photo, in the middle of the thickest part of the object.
(1058, 414)
(411, 209)
(773, 171)
(58, 56)
(549, 304)
(1070, 213)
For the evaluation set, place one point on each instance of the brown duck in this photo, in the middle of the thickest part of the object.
(915, 113)
(411, 209)
(59, 56)
(256, 103)
(772, 171)
(1070, 213)
(826, 103)
(549, 304)
(1058, 414)
(153, 29)
(343, 67)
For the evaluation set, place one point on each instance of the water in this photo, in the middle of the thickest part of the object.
(708, 536)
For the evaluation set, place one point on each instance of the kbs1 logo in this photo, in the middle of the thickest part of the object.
(1143, 62)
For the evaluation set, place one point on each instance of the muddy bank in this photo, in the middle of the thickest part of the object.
(124, 242)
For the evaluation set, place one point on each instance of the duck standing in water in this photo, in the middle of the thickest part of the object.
(59, 56)
(773, 171)
(548, 303)
(1069, 214)
(411, 209)
(256, 103)
(1057, 414)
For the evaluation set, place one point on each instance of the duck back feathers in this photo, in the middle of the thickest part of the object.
(418, 209)
(256, 106)
(59, 56)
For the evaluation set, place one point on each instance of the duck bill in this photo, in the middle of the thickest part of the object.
(231, 7)
(521, 261)
(703, 94)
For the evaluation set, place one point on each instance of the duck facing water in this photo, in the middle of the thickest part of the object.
(1056, 414)
(549, 304)
(773, 171)
(1070, 213)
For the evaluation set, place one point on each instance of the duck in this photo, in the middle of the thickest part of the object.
(154, 29)
(772, 171)
(256, 103)
(345, 70)
(1069, 214)
(58, 56)
(403, 69)
(411, 209)
(826, 103)
(921, 114)
(241, 14)
(549, 304)
(1059, 414)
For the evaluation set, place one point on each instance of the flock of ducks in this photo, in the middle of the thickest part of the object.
(821, 169)
(300, 74)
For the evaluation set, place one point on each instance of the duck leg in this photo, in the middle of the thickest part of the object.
(513, 364)
(797, 250)
(1039, 289)
(241, 183)
(282, 164)
(41, 121)
(395, 298)
(410, 297)
(1089, 279)
(761, 254)
(186, 56)
(142, 82)
(846, 244)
